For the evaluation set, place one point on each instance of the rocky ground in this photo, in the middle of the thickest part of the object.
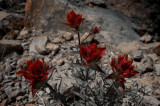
(51, 40)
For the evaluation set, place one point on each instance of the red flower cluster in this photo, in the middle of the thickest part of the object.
(92, 54)
(36, 73)
(74, 20)
(122, 69)
(95, 30)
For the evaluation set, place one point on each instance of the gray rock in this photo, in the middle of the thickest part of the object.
(48, 90)
(24, 85)
(60, 62)
(23, 34)
(17, 84)
(138, 55)
(10, 77)
(3, 15)
(156, 48)
(47, 60)
(19, 98)
(8, 67)
(6, 81)
(38, 44)
(15, 55)
(150, 101)
(146, 65)
(13, 92)
(128, 47)
(1, 78)
(42, 51)
(157, 68)
(125, 101)
(10, 46)
(118, 26)
(46, 99)
(23, 61)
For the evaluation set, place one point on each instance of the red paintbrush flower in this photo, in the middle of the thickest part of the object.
(36, 73)
(122, 68)
(92, 54)
(74, 20)
(95, 30)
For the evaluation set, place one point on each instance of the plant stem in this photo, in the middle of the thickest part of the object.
(110, 88)
(57, 95)
(85, 38)
(79, 43)
(41, 99)
(85, 96)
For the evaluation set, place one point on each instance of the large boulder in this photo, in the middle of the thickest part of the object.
(50, 15)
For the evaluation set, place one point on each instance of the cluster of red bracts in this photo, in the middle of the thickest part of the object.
(91, 54)
(95, 30)
(122, 68)
(36, 72)
(74, 20)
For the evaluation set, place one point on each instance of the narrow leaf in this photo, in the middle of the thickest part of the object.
(60, 86)
(97, 68)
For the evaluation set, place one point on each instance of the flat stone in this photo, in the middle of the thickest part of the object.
(153, 56)
(48, 90)
(146, 38)
(23, 34)
(146, 65)
(23, 61)
(57, 40)
(42, 51)
(13, 92)
(19, 98)
(128, 47)
(67, 35)
(156, 49)
(47, 59)
(60, 62)
(10, 46)
(157, 68)
(8, 67)
(38, 44)
(138, 55)
(151, 100)
(1, 78)
(3, 15)
(30, 105)
(52, 47)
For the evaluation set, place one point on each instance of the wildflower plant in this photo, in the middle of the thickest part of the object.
(108, 90)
